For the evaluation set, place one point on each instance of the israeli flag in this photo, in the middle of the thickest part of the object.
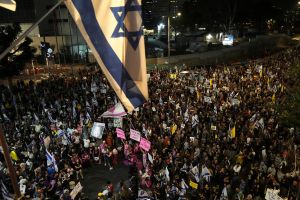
(8, 4)
(5, 193)
(51, 160)
(205, 173)
(114, 32)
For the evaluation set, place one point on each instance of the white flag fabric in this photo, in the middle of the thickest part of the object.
(167, 174)
(260, 123)
(205, 173)
(224, 195)
(8, 4)
(272, 194)
(116, 111)
(114, 32)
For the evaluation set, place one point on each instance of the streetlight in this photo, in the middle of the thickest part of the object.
(169, 43)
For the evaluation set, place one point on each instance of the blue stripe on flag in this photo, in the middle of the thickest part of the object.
(107, 54)
(48, 156)
(5, 193)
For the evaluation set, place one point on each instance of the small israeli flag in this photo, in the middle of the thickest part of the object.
(51, 160)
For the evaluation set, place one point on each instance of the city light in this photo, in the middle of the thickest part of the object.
(209, 37)
(179, 14)
(161, 26)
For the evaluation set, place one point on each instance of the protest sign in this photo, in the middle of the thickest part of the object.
(213, 128)
(94, 87)
(98, 129)
(272, 195)
(22, 189)
(135, 135)
(118, 123)
(207, 99)
(103, 90)
(76, 190)
(145, 144)
(235, 102)
(120, 134)
(173, 76)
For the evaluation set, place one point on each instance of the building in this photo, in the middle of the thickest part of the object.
(155, 10)
(61, 32)
(58, 29)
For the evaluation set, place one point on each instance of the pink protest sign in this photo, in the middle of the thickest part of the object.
(135, 135)
(145, 144)
(120, 134)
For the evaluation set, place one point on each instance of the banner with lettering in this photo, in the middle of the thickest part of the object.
(120, 134)
(135, 135)
(145, 144)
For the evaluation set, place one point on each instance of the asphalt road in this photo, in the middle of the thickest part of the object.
(96, 177)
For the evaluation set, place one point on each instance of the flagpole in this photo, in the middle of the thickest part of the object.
(12, 172)
(25, 34)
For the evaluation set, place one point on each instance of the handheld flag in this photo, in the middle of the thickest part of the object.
(205, 173)
(117, 111)
(224, 194)
(273, 98)
(113, 31)
(51, 162)
(232, 132)
(193, 185)
(167, 174)
(8, 4)
(5, 193)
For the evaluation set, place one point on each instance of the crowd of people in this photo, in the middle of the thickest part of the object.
(214, 134)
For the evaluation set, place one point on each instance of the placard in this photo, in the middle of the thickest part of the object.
(272, 195)
(76, 190)
(120, 134)
(235, 102)
(145, 144)
(97, 130)
(135, 135)
(207, 99)
(118, 123)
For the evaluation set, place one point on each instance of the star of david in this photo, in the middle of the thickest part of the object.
(121, 31)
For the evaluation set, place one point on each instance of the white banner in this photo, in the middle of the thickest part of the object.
(135, 135)
(98, 129)
(76, 190)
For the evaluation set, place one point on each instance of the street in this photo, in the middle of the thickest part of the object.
(96, 177)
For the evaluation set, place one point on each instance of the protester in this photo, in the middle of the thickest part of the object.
(214, 134)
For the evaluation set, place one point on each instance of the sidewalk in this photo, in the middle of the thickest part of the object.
(43, 73)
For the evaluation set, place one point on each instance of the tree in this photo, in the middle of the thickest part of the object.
(289, 107)
(14, 61)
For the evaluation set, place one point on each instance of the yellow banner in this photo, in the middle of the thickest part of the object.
(193, 185)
